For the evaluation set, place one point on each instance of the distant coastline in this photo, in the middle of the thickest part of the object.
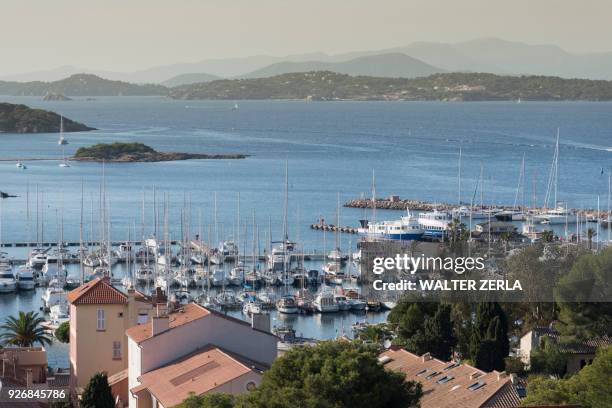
(333, 86)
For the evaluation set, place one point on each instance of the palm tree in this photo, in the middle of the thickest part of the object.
(590, 234)
(548, 236)
(24, 330)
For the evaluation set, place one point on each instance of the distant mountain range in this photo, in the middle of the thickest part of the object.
(80, 85)
(186, 79)
(392, 65)
(482, 55)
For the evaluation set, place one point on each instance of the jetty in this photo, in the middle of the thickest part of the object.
(394, 202)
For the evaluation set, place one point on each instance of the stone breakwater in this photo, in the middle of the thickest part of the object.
(396, 203)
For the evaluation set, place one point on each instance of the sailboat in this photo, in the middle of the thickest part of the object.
(560, 214)
(62, 142)
(516, 213)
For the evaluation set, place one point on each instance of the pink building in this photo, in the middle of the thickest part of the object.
(197, 350)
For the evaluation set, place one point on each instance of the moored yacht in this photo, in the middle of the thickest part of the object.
(8, 283)
(25, 279)
(325, 302)
(287, 305)
(558, 215)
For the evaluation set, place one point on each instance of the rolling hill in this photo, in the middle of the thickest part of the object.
(392, 65)
(80, 85)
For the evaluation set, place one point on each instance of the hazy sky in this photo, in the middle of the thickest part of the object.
(125, 35)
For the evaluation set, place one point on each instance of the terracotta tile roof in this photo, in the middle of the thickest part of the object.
(447, 384)
(186, 314)
(96, 292)
(198, 373)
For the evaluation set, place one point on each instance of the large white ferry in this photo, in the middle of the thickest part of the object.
(407, 228)
(435, 223)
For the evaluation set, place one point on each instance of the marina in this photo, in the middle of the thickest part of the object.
(243, 237)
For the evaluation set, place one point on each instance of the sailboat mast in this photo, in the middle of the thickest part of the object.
(556, 167)
(459, 177)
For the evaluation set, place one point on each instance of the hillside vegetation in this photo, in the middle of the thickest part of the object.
(80, 85)
(23, 119)
(326, 85)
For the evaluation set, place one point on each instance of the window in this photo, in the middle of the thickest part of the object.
(101, 321)
(116, 350)
(432, 375)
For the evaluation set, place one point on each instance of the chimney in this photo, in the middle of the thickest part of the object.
(160, 322)
(261, 321)
(513, 379)
(501, 375)
(426, 357)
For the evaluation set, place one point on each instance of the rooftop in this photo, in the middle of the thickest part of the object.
(199, 372)
(186, 314)
(452, 384)
(100, 291)
(589, 346)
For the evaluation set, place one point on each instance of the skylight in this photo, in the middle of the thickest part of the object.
(476, 385)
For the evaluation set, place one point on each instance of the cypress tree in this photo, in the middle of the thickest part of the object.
(489, 344)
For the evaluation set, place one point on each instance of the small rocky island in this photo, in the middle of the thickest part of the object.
(23, 119)
(139, 152)
(52, 96)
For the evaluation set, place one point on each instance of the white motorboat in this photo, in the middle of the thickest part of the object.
(53, 296)
(25, 279)
(334, 273)
(236, 275)
(325, 302)
(252, 307)
(8, 283)
(125, 251)
(228, 249)
(287, 305)
(267, 297)
(219, 278)
(144, 274)
(21, 166)
(59, 313)
(37, 259)
(464, 213)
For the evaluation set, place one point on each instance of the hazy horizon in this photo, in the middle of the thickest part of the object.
(128, 36)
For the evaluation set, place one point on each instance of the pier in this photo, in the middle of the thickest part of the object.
(396, 203)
